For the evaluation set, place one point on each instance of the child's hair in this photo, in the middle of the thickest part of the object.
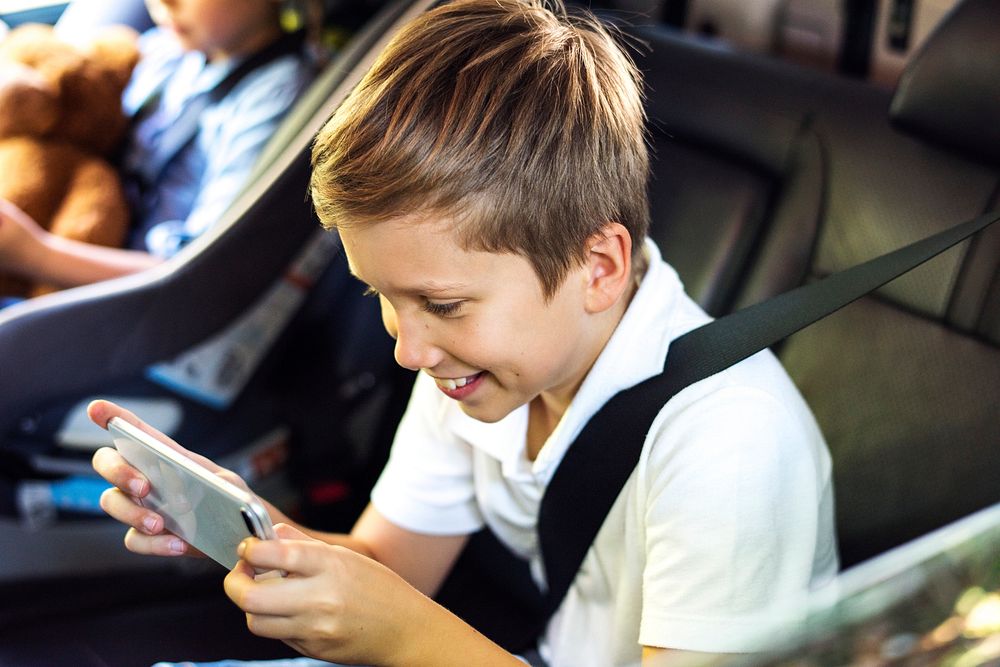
(518, 121)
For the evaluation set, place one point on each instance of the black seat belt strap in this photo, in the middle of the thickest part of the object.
(601, 459)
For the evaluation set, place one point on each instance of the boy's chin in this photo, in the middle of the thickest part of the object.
(489, 414)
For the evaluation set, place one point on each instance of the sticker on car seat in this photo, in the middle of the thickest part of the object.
(215, 371)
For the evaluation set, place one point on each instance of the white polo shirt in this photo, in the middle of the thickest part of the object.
(726, 520)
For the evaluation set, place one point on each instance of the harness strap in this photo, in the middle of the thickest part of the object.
(184, 129)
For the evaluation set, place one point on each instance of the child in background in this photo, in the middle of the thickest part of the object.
(188, 154)
(487, 179)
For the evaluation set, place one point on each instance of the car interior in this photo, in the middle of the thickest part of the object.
(772, 167)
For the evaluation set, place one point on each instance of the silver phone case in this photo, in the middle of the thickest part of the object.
(198, 506)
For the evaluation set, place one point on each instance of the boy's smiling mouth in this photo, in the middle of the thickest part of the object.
(459, 388)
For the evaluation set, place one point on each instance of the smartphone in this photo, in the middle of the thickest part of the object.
(197, 505)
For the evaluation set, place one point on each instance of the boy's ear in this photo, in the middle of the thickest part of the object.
(609, 267)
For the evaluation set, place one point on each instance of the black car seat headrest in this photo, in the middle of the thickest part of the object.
(950, 91)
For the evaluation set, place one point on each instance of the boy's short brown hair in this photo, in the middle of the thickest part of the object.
(517, 120)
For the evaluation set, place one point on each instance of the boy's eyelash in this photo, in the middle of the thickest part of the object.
(449, 308)
(442, 309)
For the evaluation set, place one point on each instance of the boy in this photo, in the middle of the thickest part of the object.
(487, 179)
(179, 187)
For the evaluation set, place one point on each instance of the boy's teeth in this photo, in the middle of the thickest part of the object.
(448, 383)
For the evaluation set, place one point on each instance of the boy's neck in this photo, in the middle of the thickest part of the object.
(542, 421)
(546, 410)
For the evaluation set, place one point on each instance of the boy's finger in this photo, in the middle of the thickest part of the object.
(265, 594)
(272, 627)
(101, 412)
(238, 584)
(292, 556)
(123, 508)
(166, 544)
(287, 532)
(110, 465)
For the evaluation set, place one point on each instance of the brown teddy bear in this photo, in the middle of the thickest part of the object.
(61, 121)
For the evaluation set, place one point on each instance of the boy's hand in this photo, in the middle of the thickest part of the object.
(334, 604)
(146, 534)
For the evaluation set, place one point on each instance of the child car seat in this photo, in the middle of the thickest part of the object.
(99, 340)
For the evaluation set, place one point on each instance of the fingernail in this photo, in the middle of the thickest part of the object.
(176, 545)
(150, 524)
(241, 548)
(136, 486)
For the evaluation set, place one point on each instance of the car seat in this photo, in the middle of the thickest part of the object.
(101, 340)
(328, 380)
(737, 180)
(770, 174)
(904, 382)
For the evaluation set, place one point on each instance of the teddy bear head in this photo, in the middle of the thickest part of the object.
(53, 89)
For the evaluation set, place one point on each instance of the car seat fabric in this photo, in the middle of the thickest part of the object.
(767, 174)
(736, 181)
(948, 94)
(902, 382)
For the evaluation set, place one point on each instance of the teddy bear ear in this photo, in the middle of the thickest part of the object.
(29, 103)
(115, 48)
(30, 44)
(37, 46)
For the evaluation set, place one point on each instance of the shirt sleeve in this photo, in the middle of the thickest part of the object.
(731, 521)
(427, 484)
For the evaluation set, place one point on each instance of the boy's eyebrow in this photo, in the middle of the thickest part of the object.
(428, 287)
(432, 287)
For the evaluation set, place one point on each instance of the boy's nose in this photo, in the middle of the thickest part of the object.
(414, 350)
(414, 347)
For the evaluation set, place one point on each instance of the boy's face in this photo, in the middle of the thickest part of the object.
(218, 28)
(475, 321)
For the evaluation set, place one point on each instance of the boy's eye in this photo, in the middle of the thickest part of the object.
(442, 309)
(433, 307)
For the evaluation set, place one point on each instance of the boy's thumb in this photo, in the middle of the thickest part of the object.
(287, 532)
